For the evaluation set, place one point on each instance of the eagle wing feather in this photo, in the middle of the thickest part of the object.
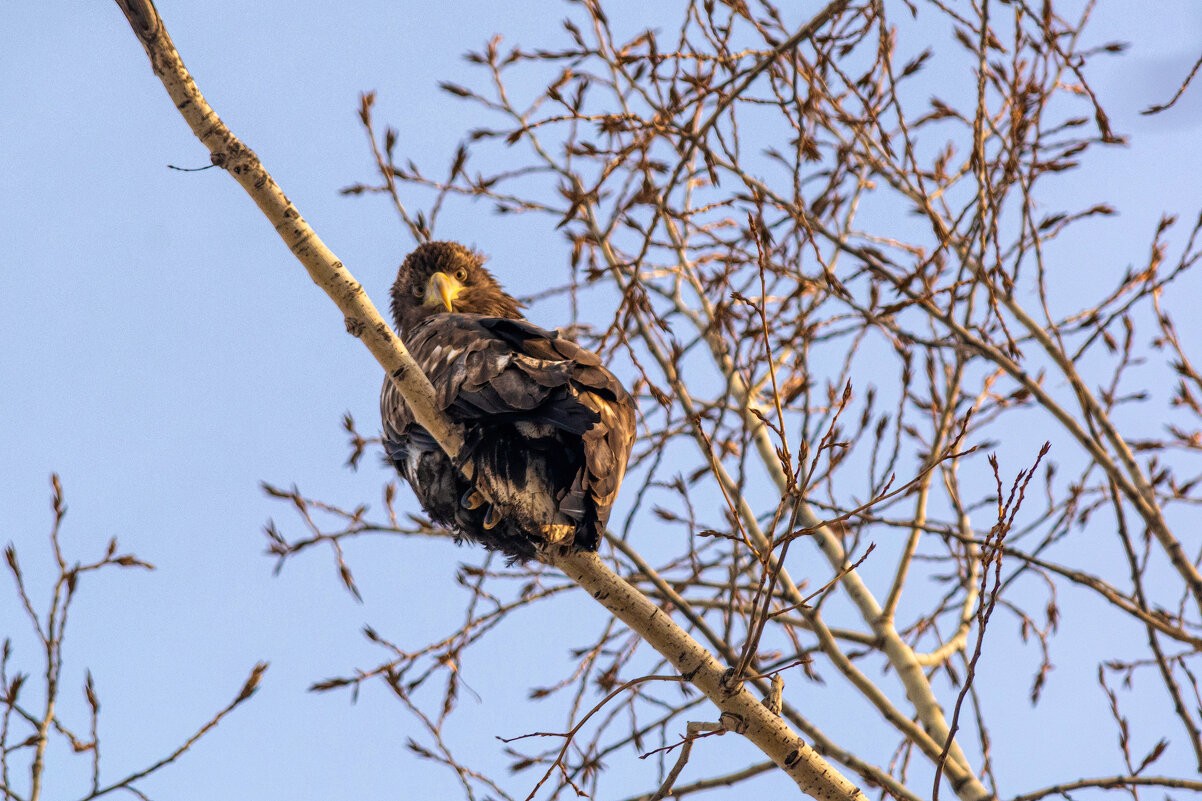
(547, 426)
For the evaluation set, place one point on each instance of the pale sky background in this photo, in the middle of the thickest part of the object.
(164, 353)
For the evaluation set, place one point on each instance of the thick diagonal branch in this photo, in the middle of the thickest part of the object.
(811, 772)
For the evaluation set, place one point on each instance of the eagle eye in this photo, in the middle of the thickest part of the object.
(418, 292)
(461, 274)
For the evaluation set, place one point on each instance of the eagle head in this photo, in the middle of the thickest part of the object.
(446, 277)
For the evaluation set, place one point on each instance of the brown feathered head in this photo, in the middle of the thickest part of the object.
(443, 277)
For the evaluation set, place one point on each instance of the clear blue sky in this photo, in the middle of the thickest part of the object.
(164, 353)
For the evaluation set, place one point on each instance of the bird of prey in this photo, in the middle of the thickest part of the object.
(547, 429)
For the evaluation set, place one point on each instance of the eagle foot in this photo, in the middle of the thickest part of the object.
(491, 518)
(472, 499)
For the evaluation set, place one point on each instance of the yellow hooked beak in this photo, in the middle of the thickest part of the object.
(441, 290)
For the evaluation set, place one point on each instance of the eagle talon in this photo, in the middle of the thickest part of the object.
(491, 518)
(472, 499)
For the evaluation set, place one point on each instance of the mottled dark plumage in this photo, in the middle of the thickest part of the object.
(547, 428)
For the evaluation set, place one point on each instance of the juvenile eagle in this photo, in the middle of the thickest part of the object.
(547, 428)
